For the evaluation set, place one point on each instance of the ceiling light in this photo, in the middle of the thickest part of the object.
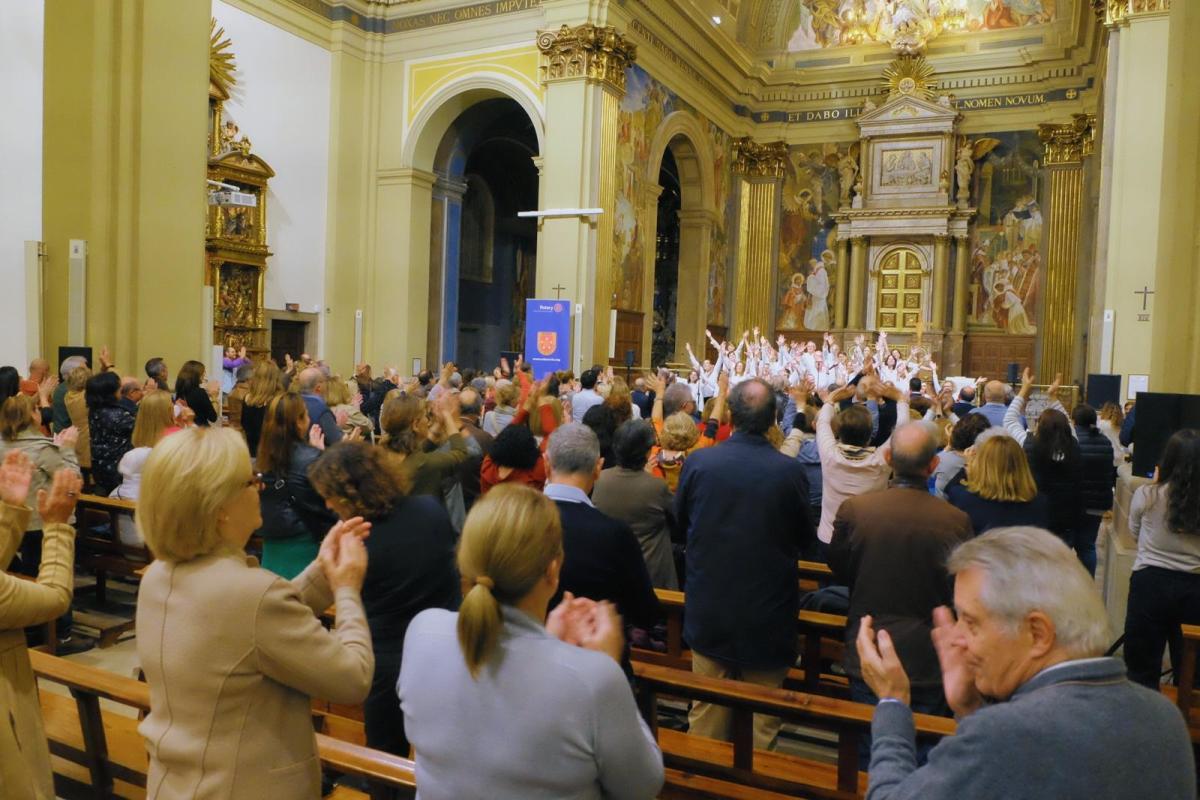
(716, 20)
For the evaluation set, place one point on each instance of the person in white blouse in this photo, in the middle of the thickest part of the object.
(500, 700)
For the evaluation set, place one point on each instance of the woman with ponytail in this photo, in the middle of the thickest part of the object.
(500, 700)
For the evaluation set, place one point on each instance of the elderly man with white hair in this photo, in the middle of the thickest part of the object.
(1041, 712)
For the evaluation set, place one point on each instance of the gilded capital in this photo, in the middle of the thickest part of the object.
(587, 51)
(1114, 12)
(1068, 143)
(759, 160)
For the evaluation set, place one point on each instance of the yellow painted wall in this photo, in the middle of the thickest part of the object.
(126, 84)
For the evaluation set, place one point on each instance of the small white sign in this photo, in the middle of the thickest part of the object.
(1137, 383)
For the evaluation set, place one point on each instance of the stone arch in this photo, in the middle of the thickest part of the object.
(683, 134)
(433, 120)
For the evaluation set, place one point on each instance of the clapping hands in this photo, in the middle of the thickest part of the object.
(588, 624)
(342, 555)
(16, 472)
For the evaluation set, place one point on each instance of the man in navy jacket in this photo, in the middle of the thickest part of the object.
(744, 507)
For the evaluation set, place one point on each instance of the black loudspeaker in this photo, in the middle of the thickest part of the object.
(66, 352)
(1101, 389)
(629, 358)
(1158, 416)
(1014, 372)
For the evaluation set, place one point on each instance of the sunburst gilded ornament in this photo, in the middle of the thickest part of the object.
(222, 67)
(910, 76)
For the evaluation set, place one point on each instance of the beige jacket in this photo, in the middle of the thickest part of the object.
(47, 457)
(24, 756)
(78, 412)
(233, 655)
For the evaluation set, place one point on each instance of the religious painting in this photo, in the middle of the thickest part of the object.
(807, 263)
(911, 166)
(1006, 238)
(817, 24)
(645, 104)
(719, 252)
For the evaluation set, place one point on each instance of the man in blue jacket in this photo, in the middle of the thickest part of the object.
(1041, 713)
(744, 507)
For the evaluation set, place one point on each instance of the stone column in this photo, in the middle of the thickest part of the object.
(858, 283)
(962, 280)
(445, 245)
(1066, 147)
(124, 164)
(841, 287)
(583, 69)
(759, 170)
(941, 272)
(695, 241)
(399, 304)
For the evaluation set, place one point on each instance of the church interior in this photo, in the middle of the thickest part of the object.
(987, 186)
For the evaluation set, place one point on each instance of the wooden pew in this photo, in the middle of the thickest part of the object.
(1185, 693)
(822, 642)
(737, 765)
(814, 575)
(100, 551)
(112, 751)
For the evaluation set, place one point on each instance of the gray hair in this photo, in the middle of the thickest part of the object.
(456, 380)
(990, 433)
(913, 447)
(573, 449)
(310, 379)
(69, 364)
(470, 402)
(675, 398)
(244, 372)
(1030, 569)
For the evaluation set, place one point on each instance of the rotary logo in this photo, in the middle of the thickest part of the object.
(558, 308)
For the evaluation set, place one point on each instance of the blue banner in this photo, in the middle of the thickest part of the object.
(548, 336)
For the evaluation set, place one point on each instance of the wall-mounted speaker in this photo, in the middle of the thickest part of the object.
(77, 291)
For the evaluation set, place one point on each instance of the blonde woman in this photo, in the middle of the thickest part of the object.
(266, 383)
(155, 419)
(507, 396)
(344, 405)
(999, 491)
(24, 755)
(234, 654)
(76, 403)
(500, 684)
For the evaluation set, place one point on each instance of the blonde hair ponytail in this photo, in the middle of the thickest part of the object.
(508, 541)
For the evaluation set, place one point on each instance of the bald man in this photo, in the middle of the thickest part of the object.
(38, 370)
(995, 395)
(890, 548)
(311, 383)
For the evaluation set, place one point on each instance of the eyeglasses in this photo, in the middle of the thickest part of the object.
(256, 481)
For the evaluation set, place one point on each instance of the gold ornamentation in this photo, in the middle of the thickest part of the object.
(222, 67)
(759, 160)
(587, 51)
(910, 76)
(1069, 143)
(1114, 12)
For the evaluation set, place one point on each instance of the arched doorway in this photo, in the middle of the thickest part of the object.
(666, 264)
(483, 255)
(681, 164)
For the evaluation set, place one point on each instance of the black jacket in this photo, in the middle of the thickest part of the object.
(289, 503)
(1096, 464)
(410, 567)
(111, 428)
(744, 507)
(602, 560)
(1061, 482)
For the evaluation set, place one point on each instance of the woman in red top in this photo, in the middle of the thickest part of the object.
(514, 458)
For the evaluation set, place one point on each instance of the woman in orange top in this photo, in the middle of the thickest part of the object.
(678, 435)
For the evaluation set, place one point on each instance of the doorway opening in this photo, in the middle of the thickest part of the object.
(288, 337)
(666, 263)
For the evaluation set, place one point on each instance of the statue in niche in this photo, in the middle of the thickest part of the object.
(963, 166)
(848, 171)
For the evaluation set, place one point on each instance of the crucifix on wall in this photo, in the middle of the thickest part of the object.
(1145, 292)
(558, 290)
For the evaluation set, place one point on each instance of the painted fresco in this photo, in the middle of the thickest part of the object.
(807, 263)
(646, 104)
(1006, 239)
(816, 24)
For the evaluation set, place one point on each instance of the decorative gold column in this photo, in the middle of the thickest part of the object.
(841, 286)
(759, 168)
(858, 283)
(585, 67)
(941, 270)
(961, 284)
(1066, 146)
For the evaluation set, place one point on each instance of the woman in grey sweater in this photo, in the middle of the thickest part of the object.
(500, 701)
(1164, 590)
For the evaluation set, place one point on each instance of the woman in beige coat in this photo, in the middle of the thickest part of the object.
(233, 654)
(24, 756)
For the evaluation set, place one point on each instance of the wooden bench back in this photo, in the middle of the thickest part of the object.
(388, 776)
(847, 720)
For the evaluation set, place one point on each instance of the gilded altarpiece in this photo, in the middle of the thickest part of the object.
(235, 235)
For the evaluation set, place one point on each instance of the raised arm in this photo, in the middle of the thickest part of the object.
(692, 358)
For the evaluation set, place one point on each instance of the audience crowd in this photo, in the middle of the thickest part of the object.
(490, 545)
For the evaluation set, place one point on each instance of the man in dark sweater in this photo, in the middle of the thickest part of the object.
(744, 507)
(890, 548)
(602, 558)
